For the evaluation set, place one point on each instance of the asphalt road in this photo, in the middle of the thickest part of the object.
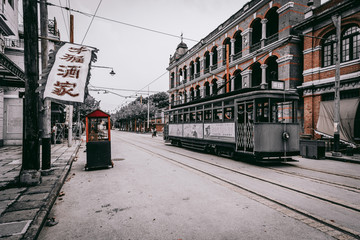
(148, 197)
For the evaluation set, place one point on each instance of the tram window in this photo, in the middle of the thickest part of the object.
(241, 113)
(171, 118)
(228, 113)
(262, 112)
(192, 117)
(181, 117)
(207, 106)
(249, 112)
(199, 116)
(175, 118)
(186, 117)
(207, 115)
(282, 112)
(218, 114)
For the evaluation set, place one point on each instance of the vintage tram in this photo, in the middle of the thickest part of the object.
(255, 122)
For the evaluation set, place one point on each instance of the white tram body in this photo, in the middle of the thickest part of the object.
(260, 123)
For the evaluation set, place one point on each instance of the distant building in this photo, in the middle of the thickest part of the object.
(261, 48)
(319, 54)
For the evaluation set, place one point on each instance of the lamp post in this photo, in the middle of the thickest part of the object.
(112, 73)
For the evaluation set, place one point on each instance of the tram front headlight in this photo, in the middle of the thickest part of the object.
(285, 136)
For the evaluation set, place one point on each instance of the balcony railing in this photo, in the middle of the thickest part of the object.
(238, 55)
(206, 70)
(14, 43)
(255, 46)
(197, 75)
(272, 38)
(213, 67)
(191, 77)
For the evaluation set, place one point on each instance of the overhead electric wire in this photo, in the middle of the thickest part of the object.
(91, 21)
(152, 81)
(62, 12)
(120, 22)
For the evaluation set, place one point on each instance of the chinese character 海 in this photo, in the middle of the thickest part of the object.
(69, 71)
(73, 58)
(62, 88)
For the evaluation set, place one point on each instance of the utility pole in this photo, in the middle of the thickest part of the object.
(337, 22)
(148, 109)
(30, 174)
(71, 108)
(46, 113)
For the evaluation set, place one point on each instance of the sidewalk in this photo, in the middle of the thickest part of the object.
(23, 210)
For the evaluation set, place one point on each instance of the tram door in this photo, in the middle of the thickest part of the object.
(245, 127)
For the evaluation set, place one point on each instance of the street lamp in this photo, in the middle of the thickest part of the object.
(112, 73)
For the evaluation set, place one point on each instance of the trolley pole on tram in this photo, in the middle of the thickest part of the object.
(337, 22)
(71, 108)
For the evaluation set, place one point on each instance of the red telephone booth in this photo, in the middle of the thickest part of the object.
(98, 140)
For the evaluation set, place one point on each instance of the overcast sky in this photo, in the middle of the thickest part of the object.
(138, 56)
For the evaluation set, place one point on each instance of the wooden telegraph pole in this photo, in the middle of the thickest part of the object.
(46, 113)
(71, 108)
(30, 174)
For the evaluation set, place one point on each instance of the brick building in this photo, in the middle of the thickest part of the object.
(260, 46)
(319, 57)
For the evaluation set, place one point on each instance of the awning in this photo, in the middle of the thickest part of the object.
(325, 124)
(11, 75)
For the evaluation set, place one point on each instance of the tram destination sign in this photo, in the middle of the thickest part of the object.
(279, 85)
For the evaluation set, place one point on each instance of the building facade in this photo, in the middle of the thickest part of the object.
(319, 58)
(255, 47)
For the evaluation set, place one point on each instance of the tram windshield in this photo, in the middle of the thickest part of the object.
(275, 111)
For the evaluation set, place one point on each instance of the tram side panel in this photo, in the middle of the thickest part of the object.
(276, 139)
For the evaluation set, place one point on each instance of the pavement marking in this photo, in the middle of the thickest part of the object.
(14, 228)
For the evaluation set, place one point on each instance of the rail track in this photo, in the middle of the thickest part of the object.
(330, 227)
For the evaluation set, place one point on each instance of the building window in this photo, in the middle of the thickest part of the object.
(238, 45)
(329, 48)
(271, 70)
(11, 2)
(350, 44)
(237, 79)
(256, 75)
(172, 80)
(207, 89)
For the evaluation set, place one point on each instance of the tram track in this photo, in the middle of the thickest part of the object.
(307, 215)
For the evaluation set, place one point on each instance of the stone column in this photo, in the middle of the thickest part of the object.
(232, 81)
(221, 82)
(220, 50)
(211, 88)
(195, 68)
(211, 58)
(263, 76)
(232, 52)
(202, 91)
(202, 65)
(246, 37)
(263, 37)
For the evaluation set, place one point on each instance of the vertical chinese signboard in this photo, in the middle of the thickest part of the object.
(67, 78)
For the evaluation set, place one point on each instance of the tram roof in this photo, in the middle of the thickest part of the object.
(243, 94)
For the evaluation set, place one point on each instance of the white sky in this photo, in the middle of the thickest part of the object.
(138, 56)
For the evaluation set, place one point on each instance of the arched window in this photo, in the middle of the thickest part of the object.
(214, 58)
(271, 70)
(185, 97)
(207, 89)
(185, 74)
(256, 34)
(172, 80)
(172, 99)
(181, 76)
(350, 44)
(238, 45)
(329, 48)
(227, 49)
(197, 92)
(272, 26)
(207, 62)
(256, 75)
(192, 95)
(197, 61)
(237, 80)
(214, 87)
(192, 70)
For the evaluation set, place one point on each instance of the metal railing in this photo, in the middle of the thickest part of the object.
(238, 55)
(213, 67)
(255, 46)
(272, 38)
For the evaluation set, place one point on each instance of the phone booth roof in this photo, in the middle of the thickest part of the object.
(97, 113)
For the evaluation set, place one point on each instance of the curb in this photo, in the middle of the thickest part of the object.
(38, 223)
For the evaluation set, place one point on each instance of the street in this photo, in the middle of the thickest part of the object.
(158, 191)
